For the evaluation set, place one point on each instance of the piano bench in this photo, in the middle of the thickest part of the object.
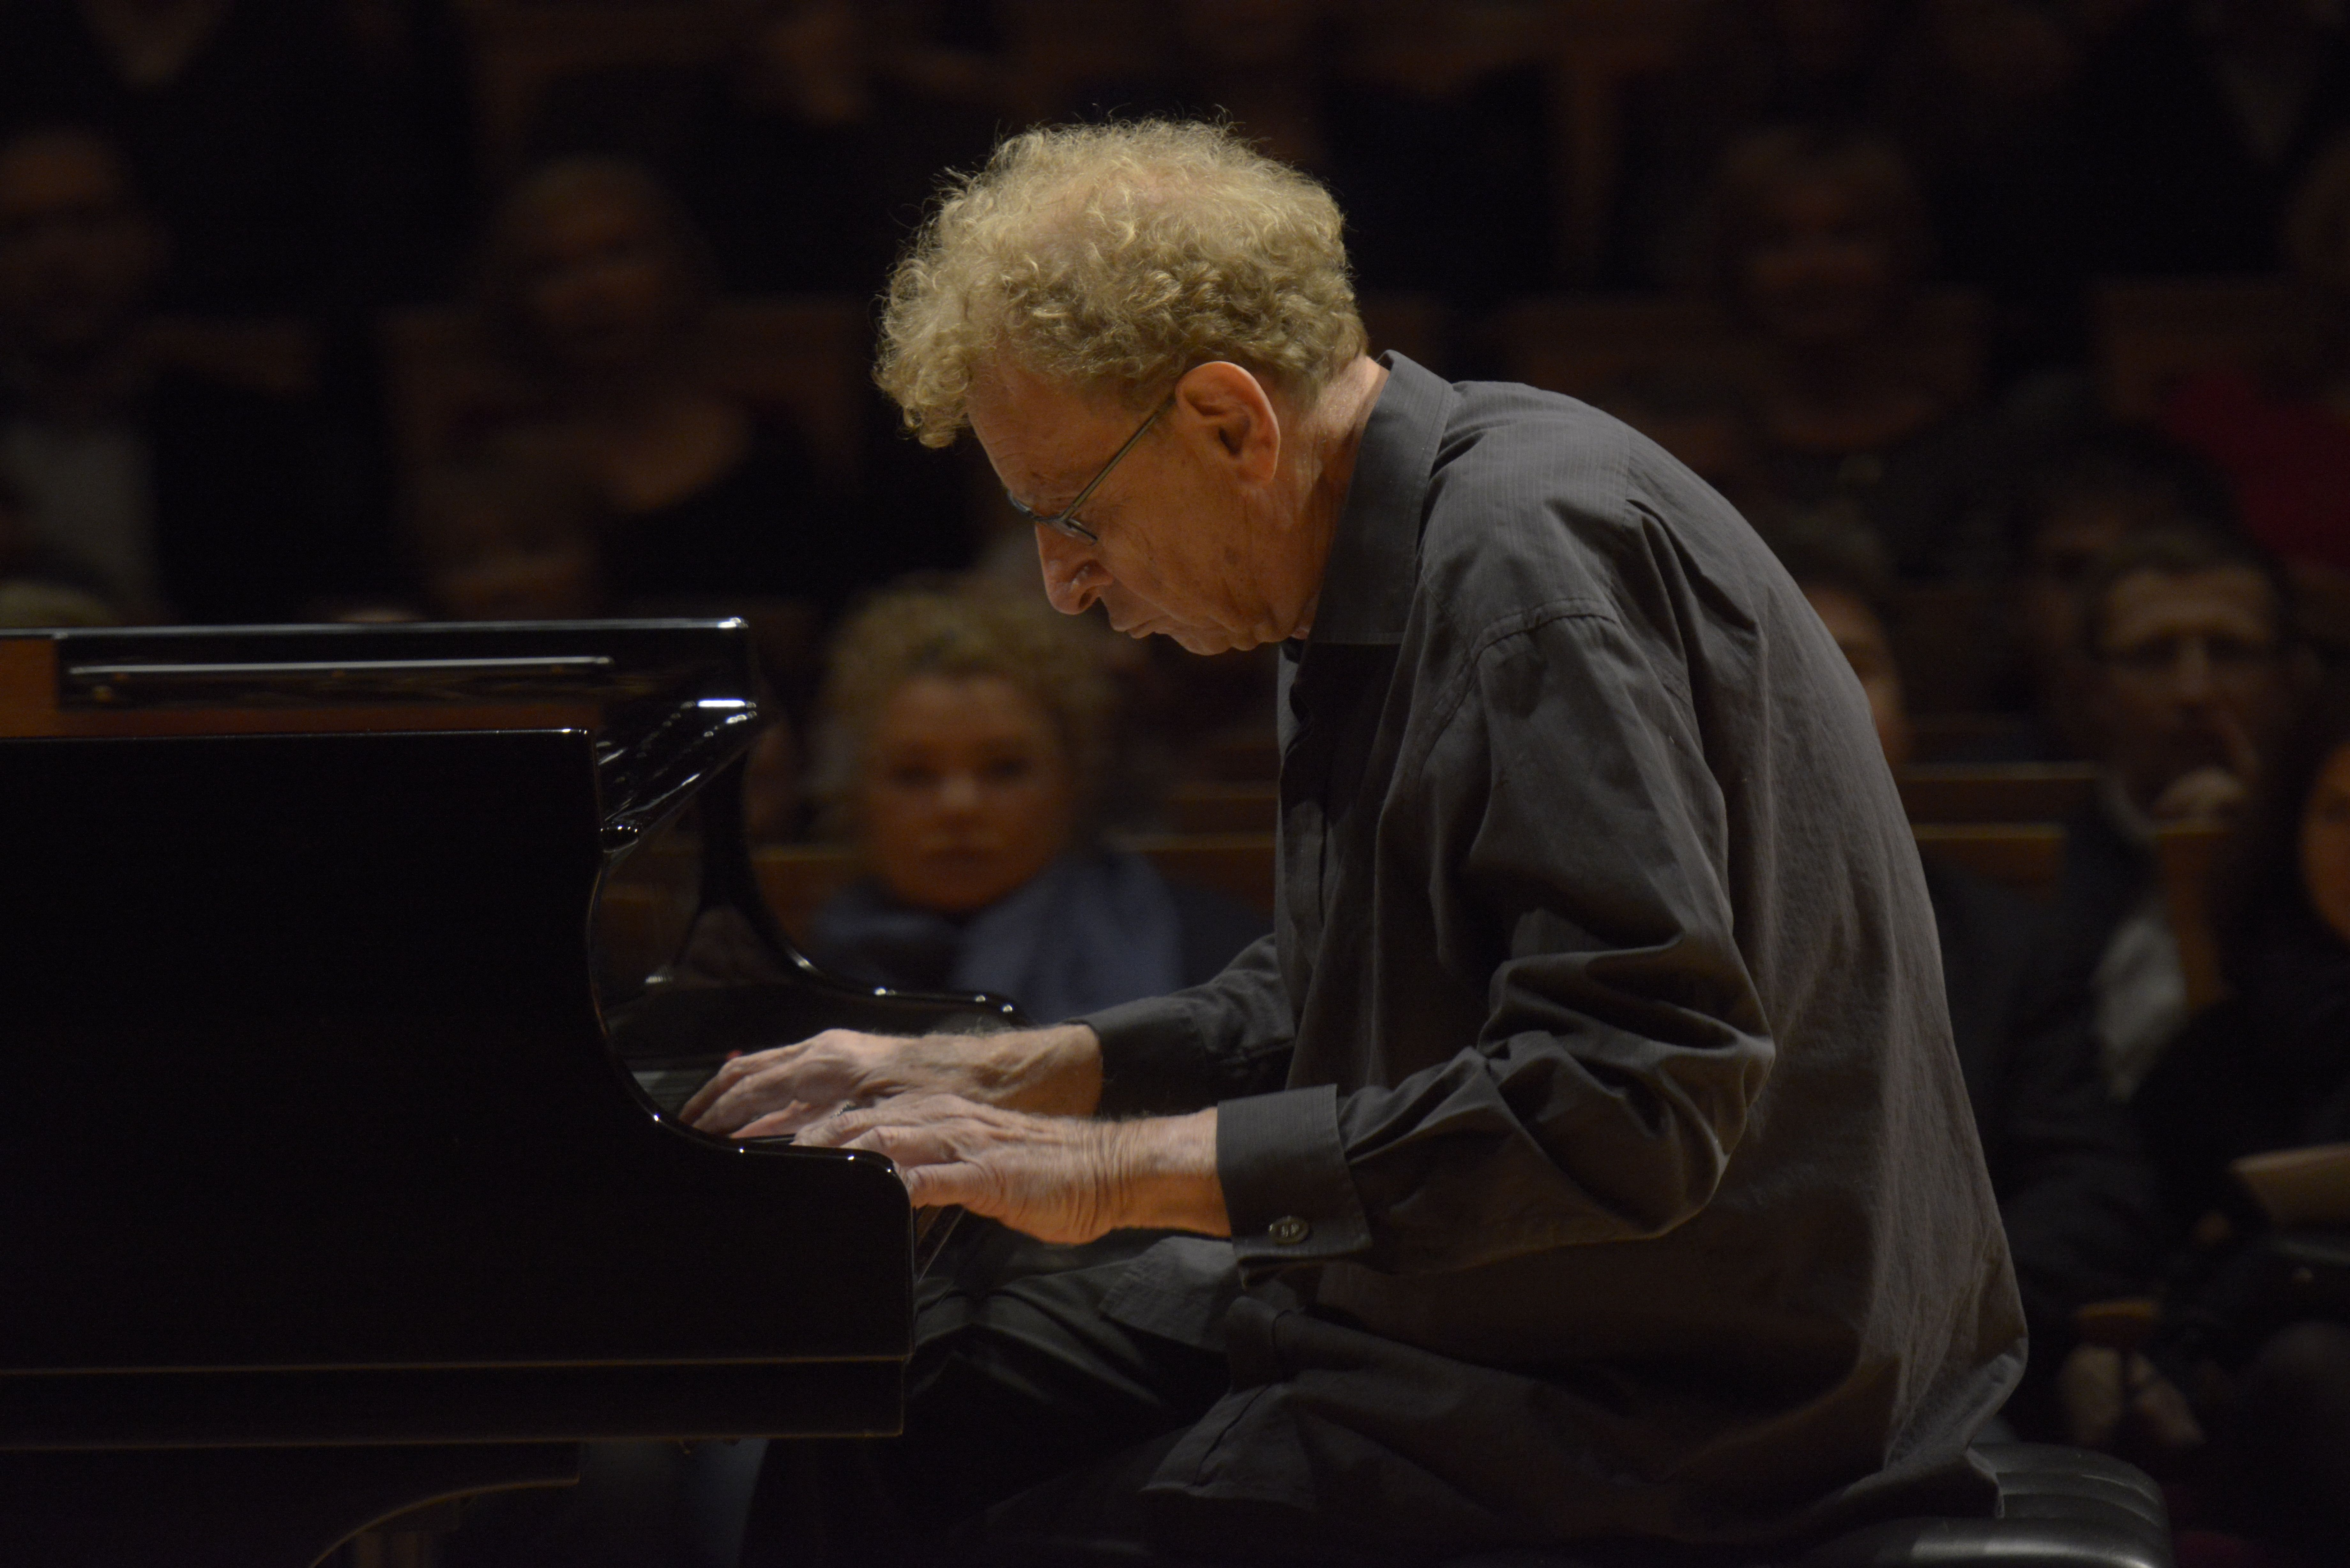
(2059, 1507)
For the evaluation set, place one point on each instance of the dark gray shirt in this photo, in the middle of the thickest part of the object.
(1596, 1153)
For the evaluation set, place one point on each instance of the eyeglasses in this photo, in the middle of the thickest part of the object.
(1064, 522)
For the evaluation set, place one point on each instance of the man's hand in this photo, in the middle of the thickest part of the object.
(2206, 794)
(1058, 1178)
(2102, 1389)
(1052, 1072)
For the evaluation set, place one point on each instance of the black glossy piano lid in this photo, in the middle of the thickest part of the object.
(612, 660)
(669, 701)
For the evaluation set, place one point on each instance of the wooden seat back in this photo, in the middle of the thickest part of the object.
(2020, 792)
(1197, 808)
(2028, 857)
(2190, 856)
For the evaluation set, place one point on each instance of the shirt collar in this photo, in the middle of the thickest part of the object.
(1367, 582)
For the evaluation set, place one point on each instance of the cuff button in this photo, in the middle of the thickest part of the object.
(1289, 1230)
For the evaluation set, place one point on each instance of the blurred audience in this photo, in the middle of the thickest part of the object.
(27, 599)
(2281, 430)
(2075, 1189)
(1747, 63)
(966, 736)
(1980, 103)
(773, 803)
(2192, 670)
(299, 151)
(1444, 192)
(1818, 247)
(2268, 1069)
(596, 286)
(806, 153)
(2197, 118)
(511, 534)
(163, 493)
(2074, 505)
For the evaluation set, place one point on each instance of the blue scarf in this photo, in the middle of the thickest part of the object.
(1089, 931)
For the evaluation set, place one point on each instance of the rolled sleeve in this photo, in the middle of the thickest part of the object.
(1287, 1188)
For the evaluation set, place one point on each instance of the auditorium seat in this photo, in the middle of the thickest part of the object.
(2028, 857)
(2001, 792)
(1223, 807)
(2059, 1507)
(1942, 737)
(2188, 855)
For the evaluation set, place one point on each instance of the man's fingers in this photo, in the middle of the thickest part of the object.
(939, 1185)
(2243, 756)
(730, 1074)
(791, 1120)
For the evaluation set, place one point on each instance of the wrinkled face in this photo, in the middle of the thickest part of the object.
(76, 254)
(967, 791)
(1818, 269)
(2325, 844)
(1860, 638)
(602, 288)
(1182, 549)
(2189, 674)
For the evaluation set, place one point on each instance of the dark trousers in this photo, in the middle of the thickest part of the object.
(1018, 1380)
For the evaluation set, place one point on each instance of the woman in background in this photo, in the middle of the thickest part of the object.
(965, 738)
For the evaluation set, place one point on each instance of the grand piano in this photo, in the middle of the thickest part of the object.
(351, 977)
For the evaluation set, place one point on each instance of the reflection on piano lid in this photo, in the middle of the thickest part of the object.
(341, 1062)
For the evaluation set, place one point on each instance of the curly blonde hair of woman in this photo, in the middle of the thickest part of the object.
(959, 628)
(1114, 258)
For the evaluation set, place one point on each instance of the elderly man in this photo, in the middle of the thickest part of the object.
(1584, 1154)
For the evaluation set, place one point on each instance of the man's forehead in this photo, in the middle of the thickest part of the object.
(2234, 599)
(1038, 431)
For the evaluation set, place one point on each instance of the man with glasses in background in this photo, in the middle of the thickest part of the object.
(2192, 668)
(1585, 1154)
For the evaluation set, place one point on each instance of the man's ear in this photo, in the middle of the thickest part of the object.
(1228, 412)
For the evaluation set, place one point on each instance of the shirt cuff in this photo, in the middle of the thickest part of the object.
(1150, 1054)
(1288, 1190)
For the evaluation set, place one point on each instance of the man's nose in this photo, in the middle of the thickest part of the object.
(2191, 675)
(1073, 579)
